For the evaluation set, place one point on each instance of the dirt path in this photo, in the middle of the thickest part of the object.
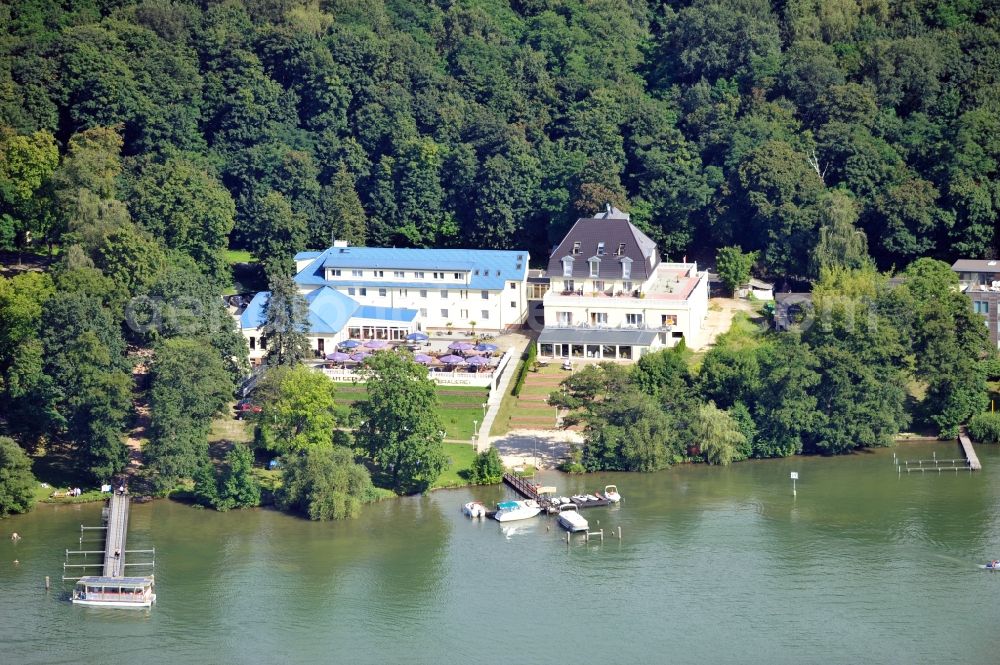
(138, 435)
(720, 317)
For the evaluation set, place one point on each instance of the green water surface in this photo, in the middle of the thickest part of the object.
(716, 565)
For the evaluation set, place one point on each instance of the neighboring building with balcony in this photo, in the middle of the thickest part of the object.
(611, 297)
(980, 280)
(381, 293)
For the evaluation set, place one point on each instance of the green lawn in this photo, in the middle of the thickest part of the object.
(460, 457)
(238, 256)
(461, 408)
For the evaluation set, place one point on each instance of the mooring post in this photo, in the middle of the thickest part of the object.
(567, 537)
(46, 582)
(619, 533)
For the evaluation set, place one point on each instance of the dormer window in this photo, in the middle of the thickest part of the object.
(567, 266)
(621, 249)
(595, 266)
(600, 249)
(576, 248)
(626, 268)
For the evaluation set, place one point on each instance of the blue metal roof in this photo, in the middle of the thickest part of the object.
(495, 267)
(329, 311)
(302, 256)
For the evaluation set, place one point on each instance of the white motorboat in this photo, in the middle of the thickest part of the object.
(579, 498)
(611, 494)
(508, 511)
(474, 509)
(571, 519)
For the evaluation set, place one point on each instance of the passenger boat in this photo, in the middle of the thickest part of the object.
(114, 592)
(474, 509)
(571, 519)
(611, 494)
(508, 511)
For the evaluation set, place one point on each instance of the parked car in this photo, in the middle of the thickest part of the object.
(245, 407)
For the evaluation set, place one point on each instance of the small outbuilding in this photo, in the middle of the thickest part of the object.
(759, 289)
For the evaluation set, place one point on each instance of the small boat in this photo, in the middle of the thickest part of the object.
(992, 565)
(591, 497)
(474, 509)
(132, 592)
(508, 511)
(571, 520)
(611, 494)
(564, 499)
(579, 498)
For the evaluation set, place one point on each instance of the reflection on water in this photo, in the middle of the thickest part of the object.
(715, 565)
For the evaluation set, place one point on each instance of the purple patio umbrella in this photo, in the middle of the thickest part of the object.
(452, 360)
(423, 358)
(359, 356)
(350, 344)
(459, 346)
(376, 344)
(489, 348)
(338, 357)
(417, 337)
(478, 360)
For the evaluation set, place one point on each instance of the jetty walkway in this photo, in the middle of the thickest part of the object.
(970, 454)
(117, 530)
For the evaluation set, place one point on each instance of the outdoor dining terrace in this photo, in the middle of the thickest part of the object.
(456, 362)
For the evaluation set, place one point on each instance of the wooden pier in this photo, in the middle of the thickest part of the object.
(969, 451)
(529, 490)
(115, 530)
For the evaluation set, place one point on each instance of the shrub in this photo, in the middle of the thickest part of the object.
(523, 371)
(487, 468)
(985, 427)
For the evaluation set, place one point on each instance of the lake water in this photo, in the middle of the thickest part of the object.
(716, 565)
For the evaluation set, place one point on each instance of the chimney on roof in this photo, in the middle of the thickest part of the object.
(607, 208)
(340, 243)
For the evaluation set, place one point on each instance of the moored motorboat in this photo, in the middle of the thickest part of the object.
(133, 592)
(474, 509)
(508, 511)
(611, 494)
(571, 520)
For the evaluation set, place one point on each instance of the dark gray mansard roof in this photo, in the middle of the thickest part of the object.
(613, 231)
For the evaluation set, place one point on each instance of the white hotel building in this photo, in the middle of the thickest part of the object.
(369, 293)
(610, 297)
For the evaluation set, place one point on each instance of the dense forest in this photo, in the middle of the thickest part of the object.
(142, 140)
(282, 123)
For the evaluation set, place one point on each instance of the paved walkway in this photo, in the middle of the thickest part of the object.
(496, 396)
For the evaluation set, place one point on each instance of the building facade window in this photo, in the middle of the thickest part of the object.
(513, 304)
(600, 249)
(335, 272)
(668, 320)
(423, 293)
(576, 248)
(486, 295)
(458, 275)
(621, 249)
(444, 293)
(568, 285)
(599, 318)
(463, 313)
(626, 269)
(439, 275)
(380, 273)
(383, 292)
(444, 313)
(362, 291)
(567, 267)
(513, 285)
(357, 273)
(398, 274)
(253, 343)
(981, 306)
(598, 285)
(423, 312)
(633, 319)
(564, 318)
(350, 290)
(627, 287)
(486, 314)
(263, 342)
(418, 275)
(595, 266)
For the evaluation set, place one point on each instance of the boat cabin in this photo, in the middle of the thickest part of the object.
(114, 591)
